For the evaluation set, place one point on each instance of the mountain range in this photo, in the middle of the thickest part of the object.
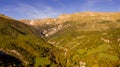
(84, 39)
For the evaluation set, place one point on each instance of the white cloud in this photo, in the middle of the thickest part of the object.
(91, 5)
(35, 13)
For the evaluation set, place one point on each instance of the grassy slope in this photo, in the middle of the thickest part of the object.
(95, 48)
(25, 43)
(79, 43)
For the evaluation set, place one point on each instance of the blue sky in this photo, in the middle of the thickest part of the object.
(35, 9)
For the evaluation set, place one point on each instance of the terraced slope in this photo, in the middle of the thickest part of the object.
(22, 45)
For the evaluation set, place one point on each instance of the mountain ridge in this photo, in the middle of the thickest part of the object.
(74, 41)
(86, 39)
(86, 20)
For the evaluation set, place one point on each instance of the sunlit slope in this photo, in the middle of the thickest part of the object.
(88, 39)
(86, 44)
(92, 48)
(24, 43)
(85, 21)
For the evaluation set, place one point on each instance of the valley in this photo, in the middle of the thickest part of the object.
(84, 39)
